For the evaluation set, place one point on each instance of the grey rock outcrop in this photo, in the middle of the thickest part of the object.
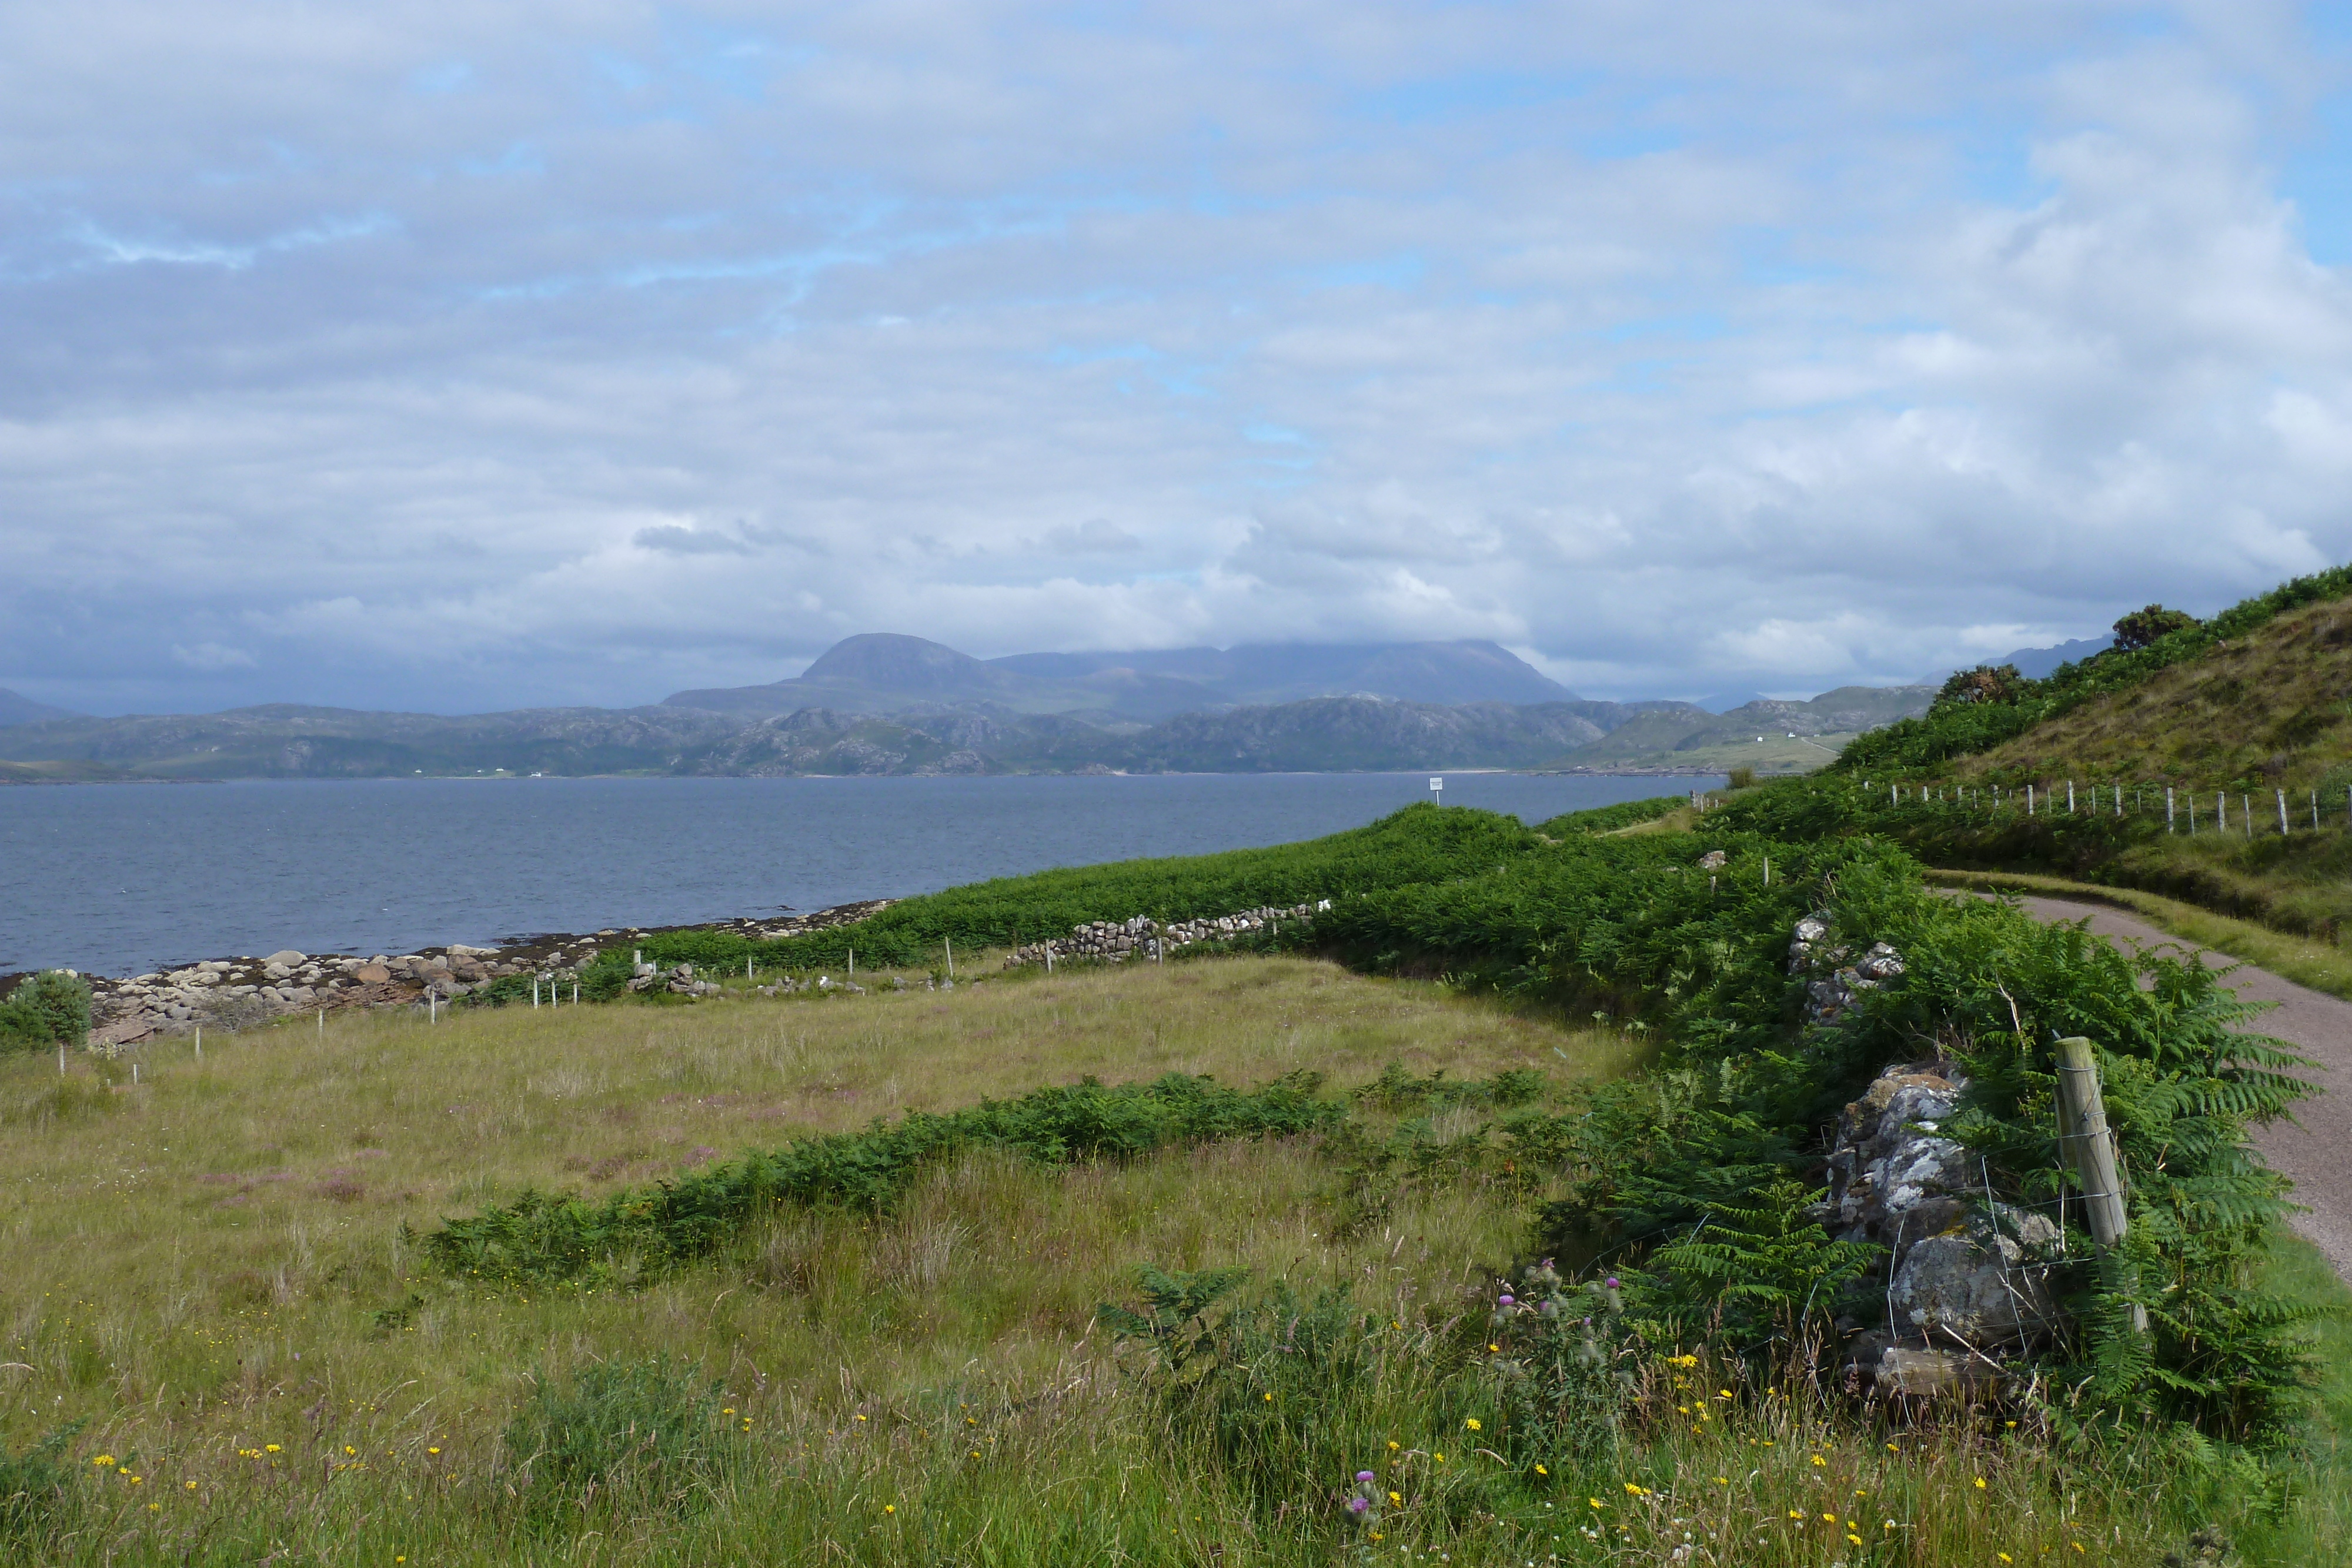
(1966, 1274)
(1837, 977)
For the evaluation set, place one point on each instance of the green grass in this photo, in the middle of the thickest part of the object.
(207, 1269)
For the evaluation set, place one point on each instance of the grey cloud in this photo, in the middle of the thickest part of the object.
(1095, 536)
(674, 539)
(412, 384)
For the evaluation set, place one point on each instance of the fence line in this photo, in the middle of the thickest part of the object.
(2038, 799)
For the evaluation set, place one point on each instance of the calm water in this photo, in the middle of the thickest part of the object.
(117, 879)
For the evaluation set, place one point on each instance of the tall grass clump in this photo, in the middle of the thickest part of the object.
(36, 1489)
(631, 1438)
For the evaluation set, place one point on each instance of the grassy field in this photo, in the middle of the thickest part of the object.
(206, 1271)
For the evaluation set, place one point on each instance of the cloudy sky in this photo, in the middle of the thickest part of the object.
(468, 357)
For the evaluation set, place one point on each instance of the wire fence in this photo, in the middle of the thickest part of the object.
(2241, 813)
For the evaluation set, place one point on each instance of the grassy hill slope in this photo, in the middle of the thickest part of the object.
(2271, 707)
(2254, 705)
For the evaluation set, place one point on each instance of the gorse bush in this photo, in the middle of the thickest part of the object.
(630, 1438)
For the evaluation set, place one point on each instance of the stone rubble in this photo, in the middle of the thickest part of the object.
(1963, 1280)
(236, 993)
(1964, 1274)
(1835, 984)
(1116, 941)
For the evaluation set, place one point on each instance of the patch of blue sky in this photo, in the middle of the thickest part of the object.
(1067, 355)
(619, 70)
(1274, 435)
(521, 158)
(1468, 95)
(737, 62)
(1404, 271)
(1688, 327)
(2317, 178)
(439, 80)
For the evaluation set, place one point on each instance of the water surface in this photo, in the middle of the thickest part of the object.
(121, 878)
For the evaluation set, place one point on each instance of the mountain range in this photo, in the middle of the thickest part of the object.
(880, 672)
(882, 702)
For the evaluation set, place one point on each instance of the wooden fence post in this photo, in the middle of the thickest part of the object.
(2084, 1142)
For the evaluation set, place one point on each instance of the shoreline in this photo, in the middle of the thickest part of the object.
(244, 990)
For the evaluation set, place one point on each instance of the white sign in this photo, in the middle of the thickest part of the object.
(1435, 785)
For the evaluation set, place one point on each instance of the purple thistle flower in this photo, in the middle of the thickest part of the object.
(1508, 1299)
(1612, 1281)
(1359, 1504)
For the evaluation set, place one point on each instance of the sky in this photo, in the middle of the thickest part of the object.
(465, 358)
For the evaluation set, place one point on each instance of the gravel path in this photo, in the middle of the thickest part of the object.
(2316, 1150)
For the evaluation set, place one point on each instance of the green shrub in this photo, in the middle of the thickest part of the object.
(37, 1489)
(632, 1437)
(1740, 779)
(44, 1010)
(542, 1237)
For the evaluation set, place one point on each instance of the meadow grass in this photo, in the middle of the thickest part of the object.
(207, 1272)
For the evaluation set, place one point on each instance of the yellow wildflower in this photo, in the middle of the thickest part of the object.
(1473, 1425)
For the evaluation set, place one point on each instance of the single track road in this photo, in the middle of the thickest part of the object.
(2316, 1150)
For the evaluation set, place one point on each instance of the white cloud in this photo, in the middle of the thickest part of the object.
(583, 352)
(213, 658)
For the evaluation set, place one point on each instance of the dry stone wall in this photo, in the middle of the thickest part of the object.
(1116, 941)
(239, 992)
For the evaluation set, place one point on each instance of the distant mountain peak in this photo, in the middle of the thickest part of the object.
(895, 662)
(17, 708)
(884, 672)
